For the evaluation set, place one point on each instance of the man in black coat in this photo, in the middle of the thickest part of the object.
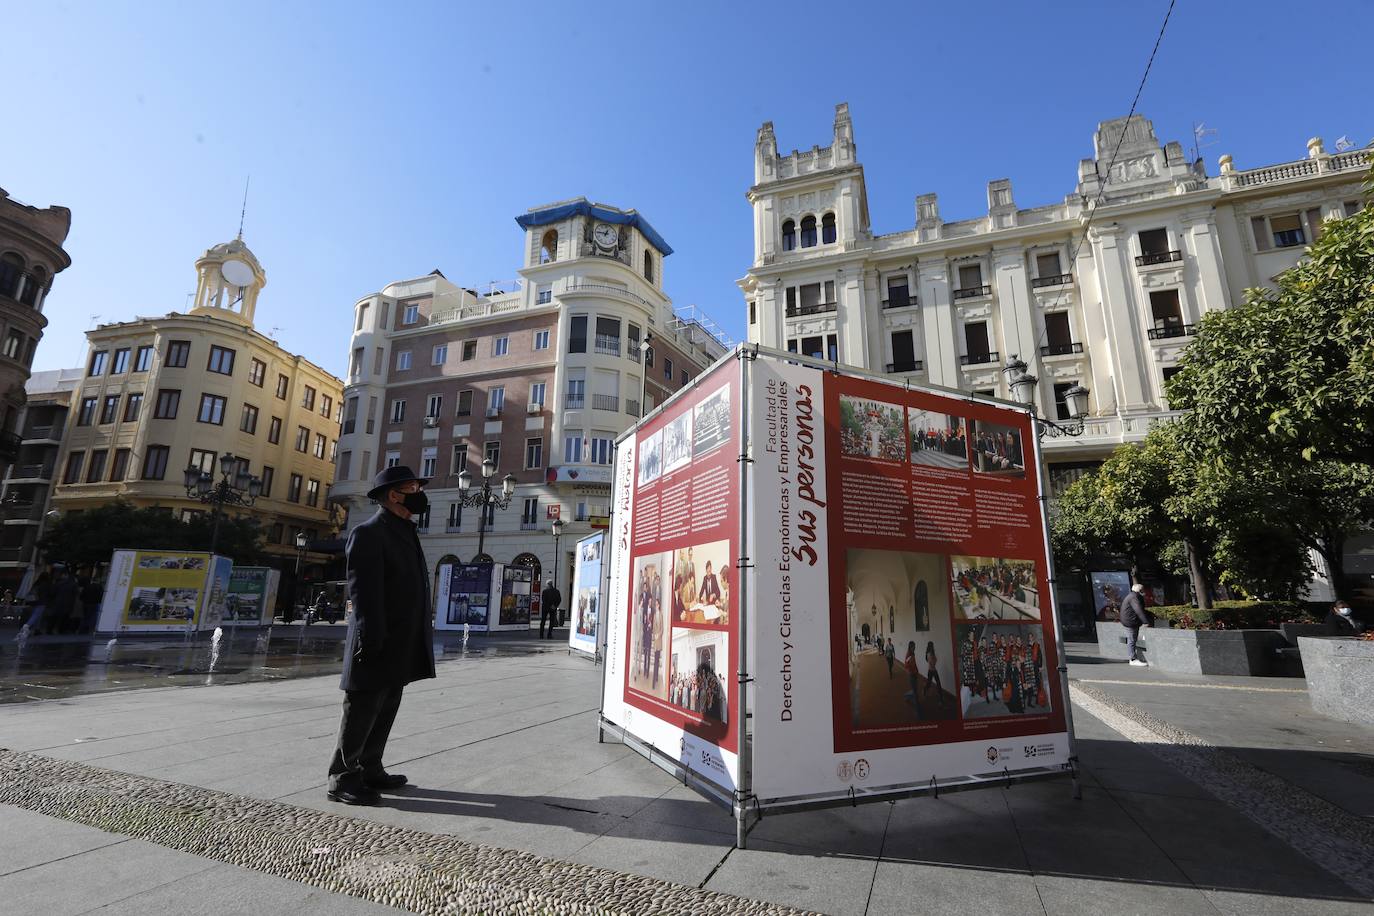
(549, 601)
(390, 638)
(1133, 617)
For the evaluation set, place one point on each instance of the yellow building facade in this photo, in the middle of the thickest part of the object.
(160, 395)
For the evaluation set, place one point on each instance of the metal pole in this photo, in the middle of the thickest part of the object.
(1063, 667)
(216, 501)
(644, 374)
(482, 518)
(744, 756)
(557, 559)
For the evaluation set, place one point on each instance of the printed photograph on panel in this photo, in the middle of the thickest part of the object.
(677, 442)
(900, 671)
(651, 458)
(697, 679)
(1108, 590)
(1002, 670)
(649, 626)
(938, 440)
(997, 450)
(702, 580)
(871, 429)
(991, 588)
(712, 426)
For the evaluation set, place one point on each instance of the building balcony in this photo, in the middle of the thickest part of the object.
(1056, 280)
(43, 434)
(604, 290)
(979, 359)
(21, 510)
(19, 285)
(819, 308)
(349, 427)
(1171, 330)
(632, 407)
(606, 402)
(972, 292)
(31, 473)
(1061, 349)
(1157, 257)
(574, 402)
(910, 365)
(607, 345)
(9, 446)
(452, 529)
(529, 526)
(899, 302)
(634, 352)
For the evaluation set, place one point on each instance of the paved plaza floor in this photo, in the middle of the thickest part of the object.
(1201, 795)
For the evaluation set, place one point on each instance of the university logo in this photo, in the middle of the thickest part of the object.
(845, 771)
(861, 769)
(992, 755)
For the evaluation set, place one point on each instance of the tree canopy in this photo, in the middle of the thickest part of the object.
(90, 537)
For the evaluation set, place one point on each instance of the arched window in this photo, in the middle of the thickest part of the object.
(649, 266)
(548, 247)
(33, 285)
(789, 235)
(808, 232)
(828, 229)
(11, 268)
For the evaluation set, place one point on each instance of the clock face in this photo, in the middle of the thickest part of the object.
(605, 235)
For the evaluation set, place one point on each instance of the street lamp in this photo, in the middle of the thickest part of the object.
(484, 498)
(644, 372)
(236, 487)
(557, 557)
(1023, 385)
(301, 542)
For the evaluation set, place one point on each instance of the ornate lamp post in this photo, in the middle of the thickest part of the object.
(301, 542)
(647, 355)
(484, 497)
(236, 487)
(557, 557)
(1023, 384)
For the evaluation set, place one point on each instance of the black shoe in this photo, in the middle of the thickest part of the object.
(360, 796)
(385, 781)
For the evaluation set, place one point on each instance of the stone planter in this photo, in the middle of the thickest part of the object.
(1340, 677)
(1235, 652)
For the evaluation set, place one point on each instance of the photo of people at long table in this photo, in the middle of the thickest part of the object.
(1002, 670)
(991, 588)
(997, 450)
(702, 584)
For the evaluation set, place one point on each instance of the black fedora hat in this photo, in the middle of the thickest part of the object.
(393, 476)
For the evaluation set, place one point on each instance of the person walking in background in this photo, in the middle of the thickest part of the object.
(91, 593)
(550, 599)
(932, 673)
(42, 594)
(912, 677)
(390, 637)
(890, 654)
(1133, 617)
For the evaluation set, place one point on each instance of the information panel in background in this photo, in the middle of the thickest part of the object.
(252, 595)
(900, 629)
(584, 601)
(473, 594)
(674, 624)
(157, 591)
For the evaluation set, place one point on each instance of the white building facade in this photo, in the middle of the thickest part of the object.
(948, 303)
(541, 378)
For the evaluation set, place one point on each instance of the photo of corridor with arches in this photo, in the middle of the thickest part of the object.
(990, 588)
(901, 669)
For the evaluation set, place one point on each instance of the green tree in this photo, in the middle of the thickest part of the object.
(90, 537)
(1290, 371)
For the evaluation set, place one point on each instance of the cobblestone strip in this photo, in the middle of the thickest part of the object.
(422, 872)
(1330, 836)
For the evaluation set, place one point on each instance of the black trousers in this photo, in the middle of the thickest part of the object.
(367, 719)
(549, 615)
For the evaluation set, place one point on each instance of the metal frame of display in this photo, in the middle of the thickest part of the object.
(741, 801)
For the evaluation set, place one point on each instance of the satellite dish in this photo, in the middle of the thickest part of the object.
(236, 272)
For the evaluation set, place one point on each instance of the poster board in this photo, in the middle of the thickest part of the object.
(672, 624)
(886, 516)
(520, 598)
(1109, 587)
(584, 598)
(470, 593)
(252, 596)
(164, 591)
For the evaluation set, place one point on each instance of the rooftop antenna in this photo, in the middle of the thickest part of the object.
(1200, 132)
(244, 211)
(94, 319)
(273, 333)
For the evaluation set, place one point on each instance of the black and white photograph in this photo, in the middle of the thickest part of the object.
(697, 677)
(712, 426)
(1002, 670)
(992, 588)
(677, 442)
(938, 440)
(872, 429)
(650, 458)
(649, 625)
(997, 450)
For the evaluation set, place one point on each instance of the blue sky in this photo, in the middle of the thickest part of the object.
(383, 143)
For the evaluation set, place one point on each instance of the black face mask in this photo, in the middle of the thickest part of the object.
(416, 503)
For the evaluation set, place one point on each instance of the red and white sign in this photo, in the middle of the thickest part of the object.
(555, 511)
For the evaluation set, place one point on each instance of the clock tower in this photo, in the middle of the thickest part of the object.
(229, 281)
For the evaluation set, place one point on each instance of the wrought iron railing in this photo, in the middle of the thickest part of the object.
(978, 359)
(575, 402)
(605, 343)
(817, 309)
(973, 292)
(1157, 257)
(899, 302)
(1062, 349)
(1056, 280)
(909, 365)
(1170, 330)
(605, 402)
